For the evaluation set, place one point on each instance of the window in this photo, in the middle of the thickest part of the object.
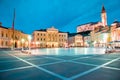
(37, 39)
(6, 35)
(2, 43)
(2, 34)
(38, 34)
(6, 43)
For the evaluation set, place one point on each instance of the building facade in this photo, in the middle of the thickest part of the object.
(115, 33)
(88, 26)
(101, 35)
(100, 38)
(49, 38)
(76, 41)
(12, 38)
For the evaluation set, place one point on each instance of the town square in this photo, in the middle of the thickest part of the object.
(59, 40)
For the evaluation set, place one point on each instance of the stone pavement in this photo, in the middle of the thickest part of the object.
(18, 66)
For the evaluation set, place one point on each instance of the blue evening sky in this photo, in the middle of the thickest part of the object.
(65, 15)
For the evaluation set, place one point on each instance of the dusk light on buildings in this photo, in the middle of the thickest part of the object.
(59, 40)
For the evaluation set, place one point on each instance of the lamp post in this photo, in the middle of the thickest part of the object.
(29, 39)
(36, 43)
(22, 43)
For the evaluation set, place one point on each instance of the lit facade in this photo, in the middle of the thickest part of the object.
(76, 41)
(8, 40)
(88, 26)
(100, 39)
(50, 37)
(87, 41)
(92, 25)
(115, 33)
(101, 35)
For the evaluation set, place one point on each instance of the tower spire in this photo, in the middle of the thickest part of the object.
(103, 9)
(103, 16)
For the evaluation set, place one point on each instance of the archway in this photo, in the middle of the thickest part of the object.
(15, 44)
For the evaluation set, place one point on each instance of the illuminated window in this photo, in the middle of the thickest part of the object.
(2, 34)
(37, 39)
(6, 43)
(38, 34)
(6, 35)
(2, 43)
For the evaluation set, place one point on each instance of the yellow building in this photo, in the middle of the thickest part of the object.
(50, 37)
(12, 38)
(101, 36)
(76, 41)
(115, 33)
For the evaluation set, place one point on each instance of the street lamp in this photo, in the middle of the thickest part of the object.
(22, 43)
(29, 39)
(36, 44)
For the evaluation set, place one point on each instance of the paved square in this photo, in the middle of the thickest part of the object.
(15, 65)
(10, 65)
(27, 74)
(102, 74)
(67, 69)
(115, 64)
(42, 61)
(92, 61)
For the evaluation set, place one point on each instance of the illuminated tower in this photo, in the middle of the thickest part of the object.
(104, 16)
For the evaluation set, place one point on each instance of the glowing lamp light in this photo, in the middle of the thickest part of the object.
(105, 37)
(29, 37)
(22, 43)
(23, 40)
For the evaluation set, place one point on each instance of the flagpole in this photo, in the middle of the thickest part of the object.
(13, 36)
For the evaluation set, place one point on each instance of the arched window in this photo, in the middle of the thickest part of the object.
(2, 34)
(1, 43)
(6, 43)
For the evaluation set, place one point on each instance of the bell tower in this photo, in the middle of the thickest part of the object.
(103, 16)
